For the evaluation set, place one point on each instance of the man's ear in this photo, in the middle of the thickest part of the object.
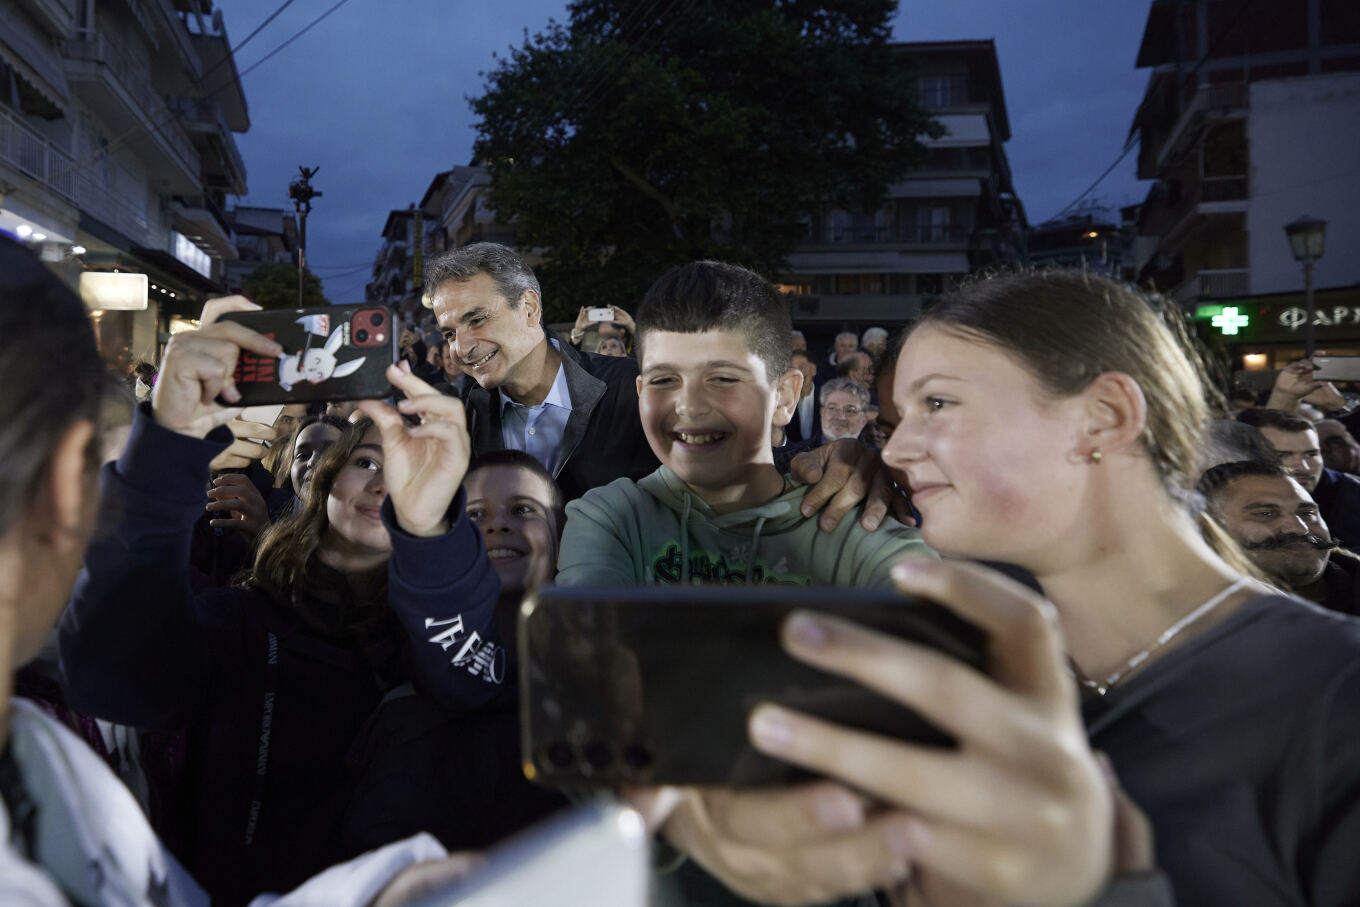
(787, 391)
(1114, 414)
(533, 306)
(64, 508)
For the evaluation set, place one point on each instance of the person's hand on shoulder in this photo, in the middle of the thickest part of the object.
(843, 475)
(198, 367)
(424, 464)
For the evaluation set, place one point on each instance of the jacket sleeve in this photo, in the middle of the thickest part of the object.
(136, 647)
(879, 550)
(444, 590)
(594, 549)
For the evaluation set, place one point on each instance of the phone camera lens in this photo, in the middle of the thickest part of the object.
(361, 335)
(376, 319)
(599, 755)
(635, 755)
(560, 755)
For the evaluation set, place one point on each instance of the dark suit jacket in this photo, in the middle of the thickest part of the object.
(797, 431)
(603, 440)
(1338, 498)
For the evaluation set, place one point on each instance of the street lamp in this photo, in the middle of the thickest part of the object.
(1307, 236)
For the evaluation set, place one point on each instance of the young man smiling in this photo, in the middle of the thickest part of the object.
(713, 346)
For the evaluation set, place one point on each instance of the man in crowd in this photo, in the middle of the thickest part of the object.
(843, 409)
(533, 391)
(1296, 441)
(1339, 448)
(798, 341)
(1270, 515)
(874, 342)
(859, 368)
(807, 414)
(846, 343)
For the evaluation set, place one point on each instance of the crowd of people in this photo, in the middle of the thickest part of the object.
(276, 663)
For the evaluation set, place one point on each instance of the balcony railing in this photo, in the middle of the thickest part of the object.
(1196, 102)
(902, 233)
(208, 112)
(36, 156)
(136, 81)
(1215, 284)
(63, 174)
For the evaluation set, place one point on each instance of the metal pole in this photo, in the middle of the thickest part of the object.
(1309, 342)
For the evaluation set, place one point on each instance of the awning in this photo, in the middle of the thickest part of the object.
(886, 262)
(34, 60)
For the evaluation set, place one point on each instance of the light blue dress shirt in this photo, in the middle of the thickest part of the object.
(538, 430)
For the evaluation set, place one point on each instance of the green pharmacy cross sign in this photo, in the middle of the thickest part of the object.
(1229, 320)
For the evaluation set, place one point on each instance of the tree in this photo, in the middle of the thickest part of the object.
(275, 286)
(642, 135)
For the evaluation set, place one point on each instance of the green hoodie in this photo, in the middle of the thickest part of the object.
(658, 532)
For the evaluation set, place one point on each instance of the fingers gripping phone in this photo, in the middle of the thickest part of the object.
(654, 685)
(329, 353)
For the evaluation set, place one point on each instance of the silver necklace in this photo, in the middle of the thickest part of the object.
(1101, 687)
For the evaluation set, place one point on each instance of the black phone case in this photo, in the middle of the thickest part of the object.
(654, 685)
(323, 359)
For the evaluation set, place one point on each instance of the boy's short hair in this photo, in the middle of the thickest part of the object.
(518, 459)
(715, 296)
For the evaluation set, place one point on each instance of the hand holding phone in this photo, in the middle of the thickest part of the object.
(603, 313)
(198, 368)
(423, 464)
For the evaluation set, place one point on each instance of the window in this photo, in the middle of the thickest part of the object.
(935, 91)
(932, 224)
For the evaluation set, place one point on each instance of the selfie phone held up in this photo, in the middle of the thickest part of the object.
(604, 313)
(1336, 368)
(654, 685)
(336, 352)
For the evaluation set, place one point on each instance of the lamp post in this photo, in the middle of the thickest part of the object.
(301, 192)
(1307, 236)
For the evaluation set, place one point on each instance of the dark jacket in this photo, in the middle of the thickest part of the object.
(797, 431)
(603, 440)
(1338, 589)
(271, 707)
(1241, 747)
(1338, 498)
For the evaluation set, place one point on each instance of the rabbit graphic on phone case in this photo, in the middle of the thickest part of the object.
(315, 366)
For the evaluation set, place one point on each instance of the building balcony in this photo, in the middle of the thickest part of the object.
(221, 160)
(35, 156)
(1214, 284)
(120, 90)
(1205, 103)
(1210, 198)
(944, 235)
(203, 222)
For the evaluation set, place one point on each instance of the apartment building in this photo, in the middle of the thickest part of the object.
(263, 236)
(957, 214)
(117, 150)
(1250, 120)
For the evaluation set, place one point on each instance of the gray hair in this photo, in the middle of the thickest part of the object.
(851, 334)
(501, 263)
(860, 392)
(874, 335)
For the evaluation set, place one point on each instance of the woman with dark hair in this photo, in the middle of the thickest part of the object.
(274, 677)
(313, 435)
(1052, 420)
(69, 831)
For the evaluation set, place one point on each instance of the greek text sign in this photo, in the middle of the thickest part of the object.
(1295, 317)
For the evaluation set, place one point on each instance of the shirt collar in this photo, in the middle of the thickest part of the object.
(558, 394)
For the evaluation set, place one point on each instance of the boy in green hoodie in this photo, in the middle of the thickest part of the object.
(713, 348)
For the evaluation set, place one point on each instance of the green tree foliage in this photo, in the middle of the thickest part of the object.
(640, 135)
(275, 286)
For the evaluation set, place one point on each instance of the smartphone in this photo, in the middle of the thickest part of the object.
(597, 854)
(336, 352)
(1336, 368)
(654, 685)
(600, 314)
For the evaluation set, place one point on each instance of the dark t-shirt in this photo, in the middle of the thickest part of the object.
(1243, 747)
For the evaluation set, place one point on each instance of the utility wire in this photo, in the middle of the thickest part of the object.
(1134, 139)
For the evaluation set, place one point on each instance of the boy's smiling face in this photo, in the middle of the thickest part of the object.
(707, 405)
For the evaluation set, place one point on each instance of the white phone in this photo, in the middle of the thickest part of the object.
(1336, 368)
(604, 313)
(597, 854)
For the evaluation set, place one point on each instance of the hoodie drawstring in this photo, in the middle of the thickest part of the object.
(684, 543)
(755, 549)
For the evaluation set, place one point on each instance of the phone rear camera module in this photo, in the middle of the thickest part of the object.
(376, 319)
(599, 755)
(361, 335)
(560, 755)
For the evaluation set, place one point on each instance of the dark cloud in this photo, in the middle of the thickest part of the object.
(376, 96)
